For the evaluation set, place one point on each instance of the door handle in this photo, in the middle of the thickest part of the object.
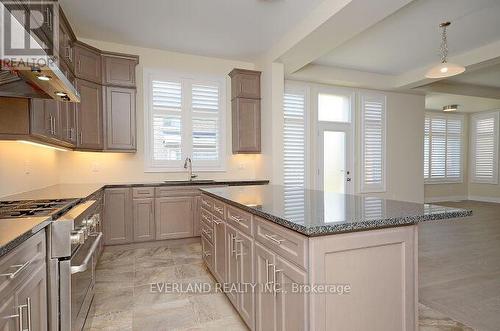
(348, 179)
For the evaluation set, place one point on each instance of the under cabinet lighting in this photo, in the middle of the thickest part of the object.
(42, 145)
(43, 77)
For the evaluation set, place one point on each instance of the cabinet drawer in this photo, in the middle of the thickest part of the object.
(172, 191)
(207, 232)
(283, 242)
(239, 219)
(206, 218)
(207, 203)
(218, 208)
(207, 252)
(22, 261)
(143, 192)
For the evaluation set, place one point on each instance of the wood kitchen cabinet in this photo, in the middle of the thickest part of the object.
(174, 217)
(66, 40)
(118, 220)
(265, 305)
(246, 125)
(44, 118)
(245, 105)
(89, 119)
(87, 63)
(119, 70)
(120, 118)
(144, 220)
(34, 292)
(245, 83)
(231, 263)
(219, 236)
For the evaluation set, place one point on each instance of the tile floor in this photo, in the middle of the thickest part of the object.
(124, 300)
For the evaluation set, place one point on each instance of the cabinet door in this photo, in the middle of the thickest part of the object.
(291, 308)
(89, 112)
(33, 292)
(265, 307)
(120, 118)
(8, 311)
(67, 119)
(66, 44)
(246, 125)
(44, 118)
(231, 263)
(117, 223)
(207, 251)
(88, 64)
(119, 71)
(219, 249)
(197, 216)
(244, 254)
(144, 222)
(174, 217)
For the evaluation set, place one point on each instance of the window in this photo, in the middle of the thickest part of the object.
(443, 138)
(334, 108)
(484, 145)
(294, 152)
(185, 118)
(373, 124)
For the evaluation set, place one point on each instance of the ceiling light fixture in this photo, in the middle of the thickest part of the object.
(43, 77)
(450, 108)
(444, 69)
(61, 94)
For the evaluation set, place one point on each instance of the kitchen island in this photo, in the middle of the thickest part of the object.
(296, 259)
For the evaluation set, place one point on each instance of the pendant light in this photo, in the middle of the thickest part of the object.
(444, 69)
(450, 108)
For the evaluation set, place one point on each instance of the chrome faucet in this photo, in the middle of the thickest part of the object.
(188, 164)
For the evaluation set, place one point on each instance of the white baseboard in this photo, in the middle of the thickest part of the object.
(448, 198)
(484, 199)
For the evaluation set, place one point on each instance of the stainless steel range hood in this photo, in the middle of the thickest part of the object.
(19, 81)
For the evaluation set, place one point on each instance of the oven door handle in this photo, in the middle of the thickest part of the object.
(85, 264)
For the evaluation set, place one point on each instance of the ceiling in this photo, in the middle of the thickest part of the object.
(467, 104)
(239, 29)
(488, 76)
(410, 38)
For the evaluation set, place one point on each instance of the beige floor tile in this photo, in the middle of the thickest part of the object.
(110, 280)
(172, 315)
(113, 301)
(155, 275)
(232, 323)
(121, 321)
(211, 307)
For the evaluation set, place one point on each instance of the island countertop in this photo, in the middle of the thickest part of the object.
(317, 213)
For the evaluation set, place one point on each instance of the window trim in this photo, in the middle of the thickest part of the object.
(150, 165)
(434, 181)
(496, 134)
(382, 187)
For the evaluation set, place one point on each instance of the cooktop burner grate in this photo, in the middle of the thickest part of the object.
(30, 208)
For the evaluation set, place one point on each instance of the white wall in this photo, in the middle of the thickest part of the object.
(121, 167)
(25, 167)
(405, 135)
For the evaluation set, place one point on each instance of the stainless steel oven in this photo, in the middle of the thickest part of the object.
(75, 244)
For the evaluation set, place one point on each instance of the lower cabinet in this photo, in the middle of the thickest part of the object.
(23, 290)
(219, 236)
(265, 300)
(207, 252)
(118, 222)
(174, 217)
(144, 219)
(244, 256)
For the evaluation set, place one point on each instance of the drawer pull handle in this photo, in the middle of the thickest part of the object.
(218, 209)
(206, 254)
(206, 218)
(20, 268)
(217, 222)
(276, 241)
(236, 219)
(205, 203)
(207, 233)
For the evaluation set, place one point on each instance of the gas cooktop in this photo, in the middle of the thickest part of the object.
(32, 208)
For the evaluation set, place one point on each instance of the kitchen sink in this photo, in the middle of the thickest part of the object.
(196, 181)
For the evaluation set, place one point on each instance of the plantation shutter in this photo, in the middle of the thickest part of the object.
(205, 121)
(443, 138)
(485, 148)
(373, 112)
(294, 154)
(167, 120)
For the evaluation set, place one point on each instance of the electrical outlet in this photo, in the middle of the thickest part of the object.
(95, 167)
(27, 167)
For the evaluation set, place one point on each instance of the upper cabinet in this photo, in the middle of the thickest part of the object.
(66, 41)
(245, 84)
(119, 70)
(245, 114)
(120, 118)
(89, 110)
(88, 64)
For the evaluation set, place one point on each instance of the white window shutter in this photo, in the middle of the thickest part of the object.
(443, 138)
(205, 122)
(373, 149)
(485, 148)
(294, 153)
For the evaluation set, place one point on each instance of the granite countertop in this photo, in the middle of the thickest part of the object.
(316, 213)
(81, 191)
(14, 231)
